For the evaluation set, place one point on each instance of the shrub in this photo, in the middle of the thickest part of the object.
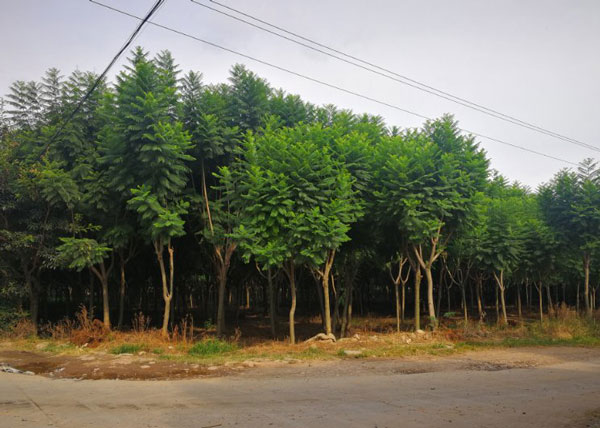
(127, 348)
(10, 317)
(211, 347)
(88, 332)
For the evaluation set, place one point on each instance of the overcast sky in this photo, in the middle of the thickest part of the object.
(537, 60)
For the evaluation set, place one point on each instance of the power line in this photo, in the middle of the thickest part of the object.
(330, 85)
(382, 72)
(101, 77)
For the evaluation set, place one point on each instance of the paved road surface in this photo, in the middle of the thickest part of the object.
(361, 394)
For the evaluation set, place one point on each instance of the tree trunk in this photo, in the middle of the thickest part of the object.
(290, 273)
(418, 277)
(397, 292)
(222, 278)
(347, 313)
(541, 304)
(122, 296)
(464, 302)
(403, 306)
(326, 308)
(34, 301)
(549, 298)
(519, 309)
(105, 303)
(478, 287)
(167, 284)
(272, 303)
(497, 305)
(91, 298)
(430, 304)
(586, 284)
(440, 294)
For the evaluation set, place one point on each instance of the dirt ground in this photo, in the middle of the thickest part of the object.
(102, 365)
(523, 387)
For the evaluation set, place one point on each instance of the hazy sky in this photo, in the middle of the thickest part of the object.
(537, 60)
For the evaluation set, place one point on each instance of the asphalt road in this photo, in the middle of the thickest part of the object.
(562, 394)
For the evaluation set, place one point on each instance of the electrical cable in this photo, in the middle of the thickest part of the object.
(102, 75)
(399, 77)
(330, 85)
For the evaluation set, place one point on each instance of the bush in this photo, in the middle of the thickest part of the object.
(127, 348)
(211, 347)
(10, 317)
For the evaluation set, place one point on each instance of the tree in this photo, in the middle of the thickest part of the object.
(146, 151)
(81, 253)
(426, 187)
(296, 204)
(571, 205)
(501, 243)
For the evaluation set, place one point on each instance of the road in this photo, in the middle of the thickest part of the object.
(462, 391)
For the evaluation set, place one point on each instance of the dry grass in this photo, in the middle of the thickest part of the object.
(372, 337)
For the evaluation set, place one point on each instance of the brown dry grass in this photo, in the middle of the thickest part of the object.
(372, 336)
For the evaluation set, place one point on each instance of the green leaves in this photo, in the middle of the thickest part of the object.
(81, 253)
(296, 199)
(428, 180)
(159, 222)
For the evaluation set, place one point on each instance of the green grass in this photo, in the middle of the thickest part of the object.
(127, 348)
(58, 347)
(211, 347)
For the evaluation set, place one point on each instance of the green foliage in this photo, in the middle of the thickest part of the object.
(128, 348)
(158, 222)
(210, 347)
(81, 253)
(10, 316)
(296, 199)
(209, 168)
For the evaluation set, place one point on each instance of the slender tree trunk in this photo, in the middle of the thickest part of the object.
(586, 284)
(325, 283)
(541, 304)
(497, 305)
(549, 298)
(223, 262)
(222, 278)
(272, 303)
(397, 293)
(122, 295)
(290, 273)
(478, 287)
(519, 309)
(438, 306)
(321, 301)
(403, 306)
(105, 303)
(418, 277)
(91, 297)
(464, 302)
(347, 312)
(430, 304)
(326, 306)
(159, 248)
(34, 301)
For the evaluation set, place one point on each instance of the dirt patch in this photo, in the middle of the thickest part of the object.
(106, 366)
(101, 365)
(589, 420)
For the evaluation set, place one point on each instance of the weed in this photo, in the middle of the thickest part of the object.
(210, 347)
(127, 348)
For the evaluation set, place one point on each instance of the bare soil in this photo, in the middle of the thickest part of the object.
(101, 365)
